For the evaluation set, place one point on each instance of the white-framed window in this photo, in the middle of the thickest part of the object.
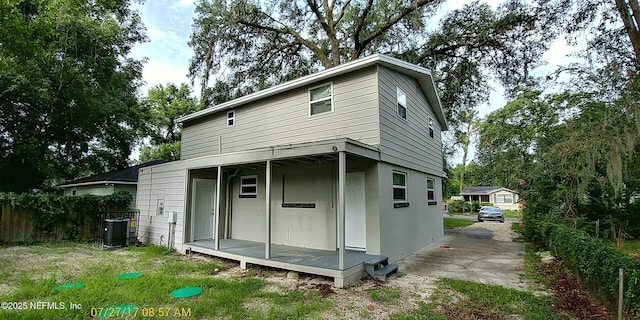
(430, 124)
(321, 99)
(249, 186)
(74, 191)
(504, 198)
(399, 187)
(231, 118)
(431, 189)
(401, 98)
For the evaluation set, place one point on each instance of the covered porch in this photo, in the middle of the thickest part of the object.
(313, 261)
(298, 225)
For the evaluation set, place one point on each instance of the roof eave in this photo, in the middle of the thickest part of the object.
(103, 182)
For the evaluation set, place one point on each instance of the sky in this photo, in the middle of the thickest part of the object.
(168, 24)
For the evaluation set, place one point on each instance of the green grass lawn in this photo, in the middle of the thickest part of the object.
(512, 214)
(30, 277)
(452, 223)
(631, 247)
(35, 273)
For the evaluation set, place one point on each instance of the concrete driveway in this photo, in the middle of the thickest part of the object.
(472, 254)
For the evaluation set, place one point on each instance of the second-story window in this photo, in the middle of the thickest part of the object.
(321, 99)
(430, 123)
(402, 103)
(231, 118)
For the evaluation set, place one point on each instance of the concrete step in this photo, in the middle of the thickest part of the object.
(377, 260)
(382, 273)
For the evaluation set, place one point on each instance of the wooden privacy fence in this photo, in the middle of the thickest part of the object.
(54, 218)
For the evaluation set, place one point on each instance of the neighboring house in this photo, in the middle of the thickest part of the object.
(108, 183)
(504, 198)
(336, 174)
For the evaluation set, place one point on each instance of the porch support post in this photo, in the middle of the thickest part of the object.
(342, 174)
(267, 208)
(216, 224)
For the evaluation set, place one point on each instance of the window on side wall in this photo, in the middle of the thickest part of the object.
(321, 99)
(401, 98)
(431, 192)
(231, 118)
(430, 123)
(400, 189)
(248, 186)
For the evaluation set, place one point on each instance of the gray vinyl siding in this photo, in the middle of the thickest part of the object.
(404, 231)
(284, 119)
(152, 183)
(407, 142)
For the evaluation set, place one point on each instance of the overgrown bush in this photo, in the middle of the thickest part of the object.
(482, 204)
(49, 211)
(460, 206)
(596, 262)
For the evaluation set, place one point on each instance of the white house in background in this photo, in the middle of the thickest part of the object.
(338, 173)
(108, 183)
(505, 199)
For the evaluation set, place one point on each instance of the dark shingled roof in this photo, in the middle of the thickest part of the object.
(483, 190)
(129, 174)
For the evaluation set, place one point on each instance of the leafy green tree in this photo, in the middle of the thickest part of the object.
(509, 137)
(68, 102)
(280, 40)
(607, 26)
(165, 104)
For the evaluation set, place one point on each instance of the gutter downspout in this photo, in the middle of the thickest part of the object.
(228, 205)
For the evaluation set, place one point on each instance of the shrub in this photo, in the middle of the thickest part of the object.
(482, 204)
(49, 212)
(596, 262)
(459, 206)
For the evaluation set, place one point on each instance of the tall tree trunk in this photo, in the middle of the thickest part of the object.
(630, 15)
(465, 152)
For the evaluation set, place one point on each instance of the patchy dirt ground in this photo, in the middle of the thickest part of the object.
(354, 302)
(407, 289)
(572, 295)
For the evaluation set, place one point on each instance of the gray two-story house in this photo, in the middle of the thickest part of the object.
(338, 173)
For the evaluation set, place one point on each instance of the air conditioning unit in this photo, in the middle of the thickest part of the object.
(116, 232)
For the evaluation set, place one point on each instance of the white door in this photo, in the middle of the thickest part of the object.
(202, 208)
(355, 213)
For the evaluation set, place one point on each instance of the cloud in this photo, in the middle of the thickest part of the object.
(186, 3)
(162, 72)
(558, 53)
(168, 28)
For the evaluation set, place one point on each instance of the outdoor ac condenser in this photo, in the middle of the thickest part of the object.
(116, 232)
